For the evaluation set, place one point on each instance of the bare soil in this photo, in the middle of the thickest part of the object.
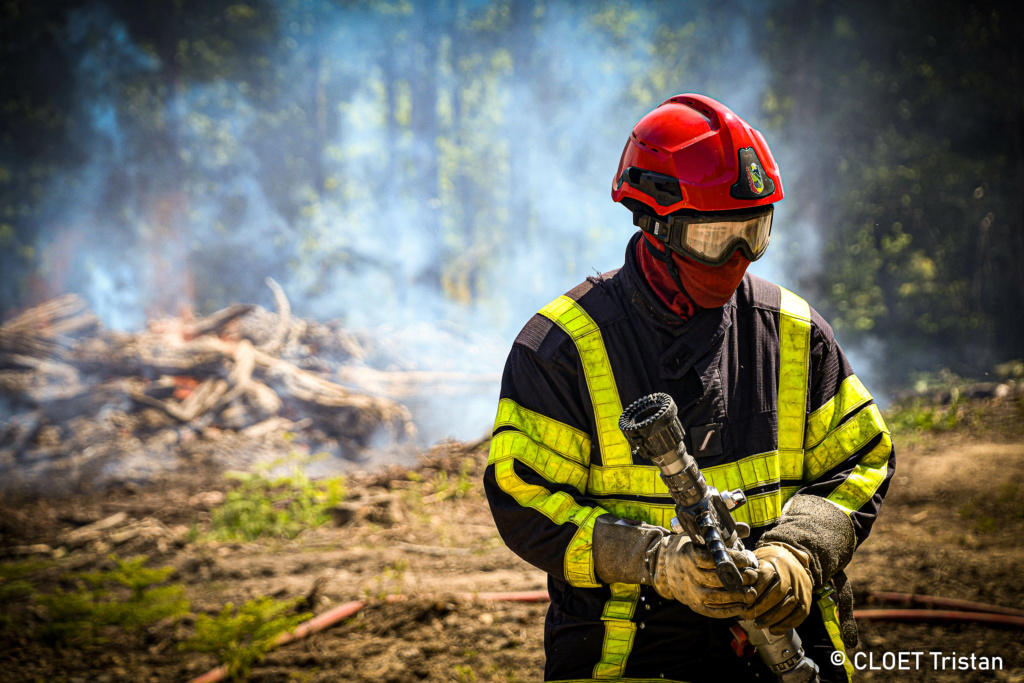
(951, 526)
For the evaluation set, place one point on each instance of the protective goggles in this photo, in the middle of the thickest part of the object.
(712, 238)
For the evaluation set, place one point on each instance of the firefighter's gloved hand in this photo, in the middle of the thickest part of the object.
(783, 588)
(630, 552)
(686, 572)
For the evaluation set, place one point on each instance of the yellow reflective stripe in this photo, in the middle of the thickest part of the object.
(652, 513)
(560, 508)
(638, 480)
(787, 493)
(760, 510)
(604, 395)
(747, 473)
(843, 442)
(851, 395)
(619, 631)
(865, 479)
(830, 616)
(561, 438)
(553, 467)
(579, 556)
(794, 360)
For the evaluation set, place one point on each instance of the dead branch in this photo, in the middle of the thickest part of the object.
(284, 319)
(216, 322)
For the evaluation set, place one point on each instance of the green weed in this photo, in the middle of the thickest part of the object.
(278, 507)
(12, 571)
(77, 617)
(464, 673)
(242, 637)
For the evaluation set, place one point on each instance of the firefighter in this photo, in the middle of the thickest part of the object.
(768, 400)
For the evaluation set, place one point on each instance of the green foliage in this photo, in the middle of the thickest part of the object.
(921, 414)
(242, 637)
(275, 507)
(911, 188)
(464, 673)
(12, 571)
(77, 617)
(463, 485)
(14, 590)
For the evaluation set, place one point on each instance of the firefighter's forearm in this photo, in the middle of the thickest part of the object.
(818, 528)
(623, 552)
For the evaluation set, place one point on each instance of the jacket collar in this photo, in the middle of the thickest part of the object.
(683, 343)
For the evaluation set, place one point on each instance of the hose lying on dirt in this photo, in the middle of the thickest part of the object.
(961, 611)
(934, 616)
(948, 603)
(317, 623)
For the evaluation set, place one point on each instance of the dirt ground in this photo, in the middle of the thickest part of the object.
(951, 526)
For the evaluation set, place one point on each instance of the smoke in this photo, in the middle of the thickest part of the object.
(313, 178)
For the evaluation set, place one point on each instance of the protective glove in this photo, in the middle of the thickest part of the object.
(678, 569)
(686, 572)
(783, 588)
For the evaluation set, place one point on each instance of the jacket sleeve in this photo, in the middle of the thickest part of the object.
(849, 461)
(539, 462)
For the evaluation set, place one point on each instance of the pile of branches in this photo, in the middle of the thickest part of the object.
(68, 388)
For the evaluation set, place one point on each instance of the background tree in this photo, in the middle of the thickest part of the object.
(394, 162)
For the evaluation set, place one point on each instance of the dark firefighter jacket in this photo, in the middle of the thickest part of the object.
(770, 405)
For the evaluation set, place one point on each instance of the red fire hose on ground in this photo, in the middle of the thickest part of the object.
(957, 611)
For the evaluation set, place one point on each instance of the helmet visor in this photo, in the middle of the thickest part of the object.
(712, 239)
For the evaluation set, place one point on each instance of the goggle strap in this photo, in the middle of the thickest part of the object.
(660, 229)
(670, 263)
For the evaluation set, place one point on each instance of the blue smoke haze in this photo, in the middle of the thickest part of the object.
(570, 114)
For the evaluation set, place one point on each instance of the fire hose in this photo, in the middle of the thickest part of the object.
(957, 611)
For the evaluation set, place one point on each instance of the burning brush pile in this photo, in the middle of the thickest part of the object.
(82, 407)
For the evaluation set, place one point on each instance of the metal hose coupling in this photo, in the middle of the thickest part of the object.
(652, 427)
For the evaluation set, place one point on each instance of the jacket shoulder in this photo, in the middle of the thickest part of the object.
(541, 333)
(756, 292)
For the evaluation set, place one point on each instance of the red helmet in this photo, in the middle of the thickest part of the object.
(694, 153)
(695, 159)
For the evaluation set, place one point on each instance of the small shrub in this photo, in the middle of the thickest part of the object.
(279, 507)
(464, 673)
(77, 617)
(240, 638)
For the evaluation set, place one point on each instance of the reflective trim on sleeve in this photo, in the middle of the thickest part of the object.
(787, 493)
(843, 442)
(830, 616)
(550, 465)
(619, 631)
(552, 434)
(865, 479)
(560, 508)
(604, 396)
(851, 395)
(579, 556)
(652, 513)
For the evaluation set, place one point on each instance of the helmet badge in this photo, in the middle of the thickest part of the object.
(753, 182)
(754, 179)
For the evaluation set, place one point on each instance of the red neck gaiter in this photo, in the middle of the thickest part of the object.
(707, 286)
